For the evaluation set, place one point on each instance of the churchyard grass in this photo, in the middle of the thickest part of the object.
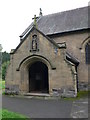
(8, 114)
(2, 84)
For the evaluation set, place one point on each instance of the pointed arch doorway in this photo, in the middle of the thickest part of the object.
(38, 78)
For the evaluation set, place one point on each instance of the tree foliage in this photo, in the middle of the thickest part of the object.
(4, 68)
(5, 57)
(5, 63)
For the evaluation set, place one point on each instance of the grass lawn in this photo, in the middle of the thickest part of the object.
(8, 114)
(2, 85)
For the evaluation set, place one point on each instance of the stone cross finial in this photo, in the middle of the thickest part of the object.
(40, 12)
(35, 20)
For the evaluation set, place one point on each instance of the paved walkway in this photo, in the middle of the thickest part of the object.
(80, 108)
(40, 108)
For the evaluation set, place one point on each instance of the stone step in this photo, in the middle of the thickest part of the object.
(37, 94)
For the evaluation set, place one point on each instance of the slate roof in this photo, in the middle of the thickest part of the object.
(66, 21)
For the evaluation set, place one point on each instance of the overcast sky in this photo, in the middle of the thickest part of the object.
(16, 16)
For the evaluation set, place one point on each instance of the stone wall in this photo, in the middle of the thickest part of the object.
(76, 42)
(60, 71)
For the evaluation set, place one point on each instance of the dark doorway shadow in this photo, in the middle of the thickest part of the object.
(38, 78)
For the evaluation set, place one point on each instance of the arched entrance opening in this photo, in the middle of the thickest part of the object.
(38, 78)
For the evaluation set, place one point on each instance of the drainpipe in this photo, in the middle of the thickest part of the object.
(75, 79)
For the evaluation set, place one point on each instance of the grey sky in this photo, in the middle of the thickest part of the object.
(16, 15)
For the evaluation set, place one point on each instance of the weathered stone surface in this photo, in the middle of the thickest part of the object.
(64, 92)
(22, 59)
(83, 86)
(63, 75)
(76, 43)
(12, 89)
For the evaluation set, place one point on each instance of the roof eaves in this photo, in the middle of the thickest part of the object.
(24, 34)
(68, 31)
(51, 40)
(23, 39)
(17, 47)
(72, 58)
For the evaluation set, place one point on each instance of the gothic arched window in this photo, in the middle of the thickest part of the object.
(87, 53)
(34, 42)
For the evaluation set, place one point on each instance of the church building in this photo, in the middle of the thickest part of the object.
(53, 55)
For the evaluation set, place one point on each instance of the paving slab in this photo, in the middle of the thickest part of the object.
(80, 108)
